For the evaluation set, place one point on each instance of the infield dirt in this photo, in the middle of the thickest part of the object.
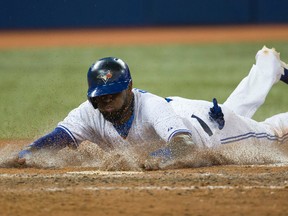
(84, 188)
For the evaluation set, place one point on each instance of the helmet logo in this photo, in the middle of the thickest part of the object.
(105, 75)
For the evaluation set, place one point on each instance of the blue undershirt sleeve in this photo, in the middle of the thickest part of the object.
(56, 140)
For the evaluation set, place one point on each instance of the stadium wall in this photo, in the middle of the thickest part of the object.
(37, 14)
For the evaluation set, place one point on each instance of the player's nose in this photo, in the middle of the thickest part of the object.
(106, 98)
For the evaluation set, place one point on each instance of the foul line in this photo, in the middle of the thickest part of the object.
(168, 188)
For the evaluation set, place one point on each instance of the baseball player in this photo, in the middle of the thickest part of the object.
(117, 115)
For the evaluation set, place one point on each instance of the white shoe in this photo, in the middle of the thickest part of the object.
(268, 60)
(283, 70)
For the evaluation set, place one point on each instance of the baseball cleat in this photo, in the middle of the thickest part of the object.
(284, 76)
(283, 72)
(284, 67)
(269, 63)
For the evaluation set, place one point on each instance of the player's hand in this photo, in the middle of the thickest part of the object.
(16, 162)
(152, 164)
(23, 156)
(20, 161)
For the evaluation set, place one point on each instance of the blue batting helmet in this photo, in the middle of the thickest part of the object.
(108, 76)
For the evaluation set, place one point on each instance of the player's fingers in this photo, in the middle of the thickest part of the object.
(21, 161)
(151, 164)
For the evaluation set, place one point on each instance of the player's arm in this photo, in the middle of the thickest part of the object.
(179, 146)
(55, 140)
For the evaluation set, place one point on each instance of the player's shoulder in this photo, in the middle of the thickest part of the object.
(144, 96)
(149, 104)
(139, 91)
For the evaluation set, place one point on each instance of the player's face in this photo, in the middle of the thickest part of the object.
(115, 107)
(111, 103)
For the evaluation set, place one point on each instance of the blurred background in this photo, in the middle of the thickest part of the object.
(37, 14)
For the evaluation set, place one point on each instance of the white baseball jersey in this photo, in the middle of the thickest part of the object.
(154, 120)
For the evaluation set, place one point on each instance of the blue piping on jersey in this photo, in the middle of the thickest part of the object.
(254, 135)
(178, 131)
(69, 133)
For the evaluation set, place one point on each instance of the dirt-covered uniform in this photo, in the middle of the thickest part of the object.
(157, 119)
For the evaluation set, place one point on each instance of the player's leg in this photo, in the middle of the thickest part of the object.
(251, 93)
(279, 123)
(240, 130)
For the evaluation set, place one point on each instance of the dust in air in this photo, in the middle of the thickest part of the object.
(135, 159)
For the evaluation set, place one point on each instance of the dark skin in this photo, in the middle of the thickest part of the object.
(116, 108)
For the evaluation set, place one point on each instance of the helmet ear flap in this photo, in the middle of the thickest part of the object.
(93, 102)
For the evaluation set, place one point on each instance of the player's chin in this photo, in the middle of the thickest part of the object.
(111, 116)
(108, 111)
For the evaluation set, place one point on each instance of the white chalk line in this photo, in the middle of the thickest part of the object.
(74, 173)
(110, 174)
(168, 188)
(269, 165)
(113, 173)
(147, 188)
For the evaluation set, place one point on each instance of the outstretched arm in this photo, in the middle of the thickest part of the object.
(56, 140)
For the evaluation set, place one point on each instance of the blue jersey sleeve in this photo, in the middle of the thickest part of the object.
(56, 140)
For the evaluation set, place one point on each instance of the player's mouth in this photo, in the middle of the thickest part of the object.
(108, 109)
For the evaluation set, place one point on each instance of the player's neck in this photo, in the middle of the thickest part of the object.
(127, 112)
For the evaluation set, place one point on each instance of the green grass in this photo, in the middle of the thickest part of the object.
(40, 86)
